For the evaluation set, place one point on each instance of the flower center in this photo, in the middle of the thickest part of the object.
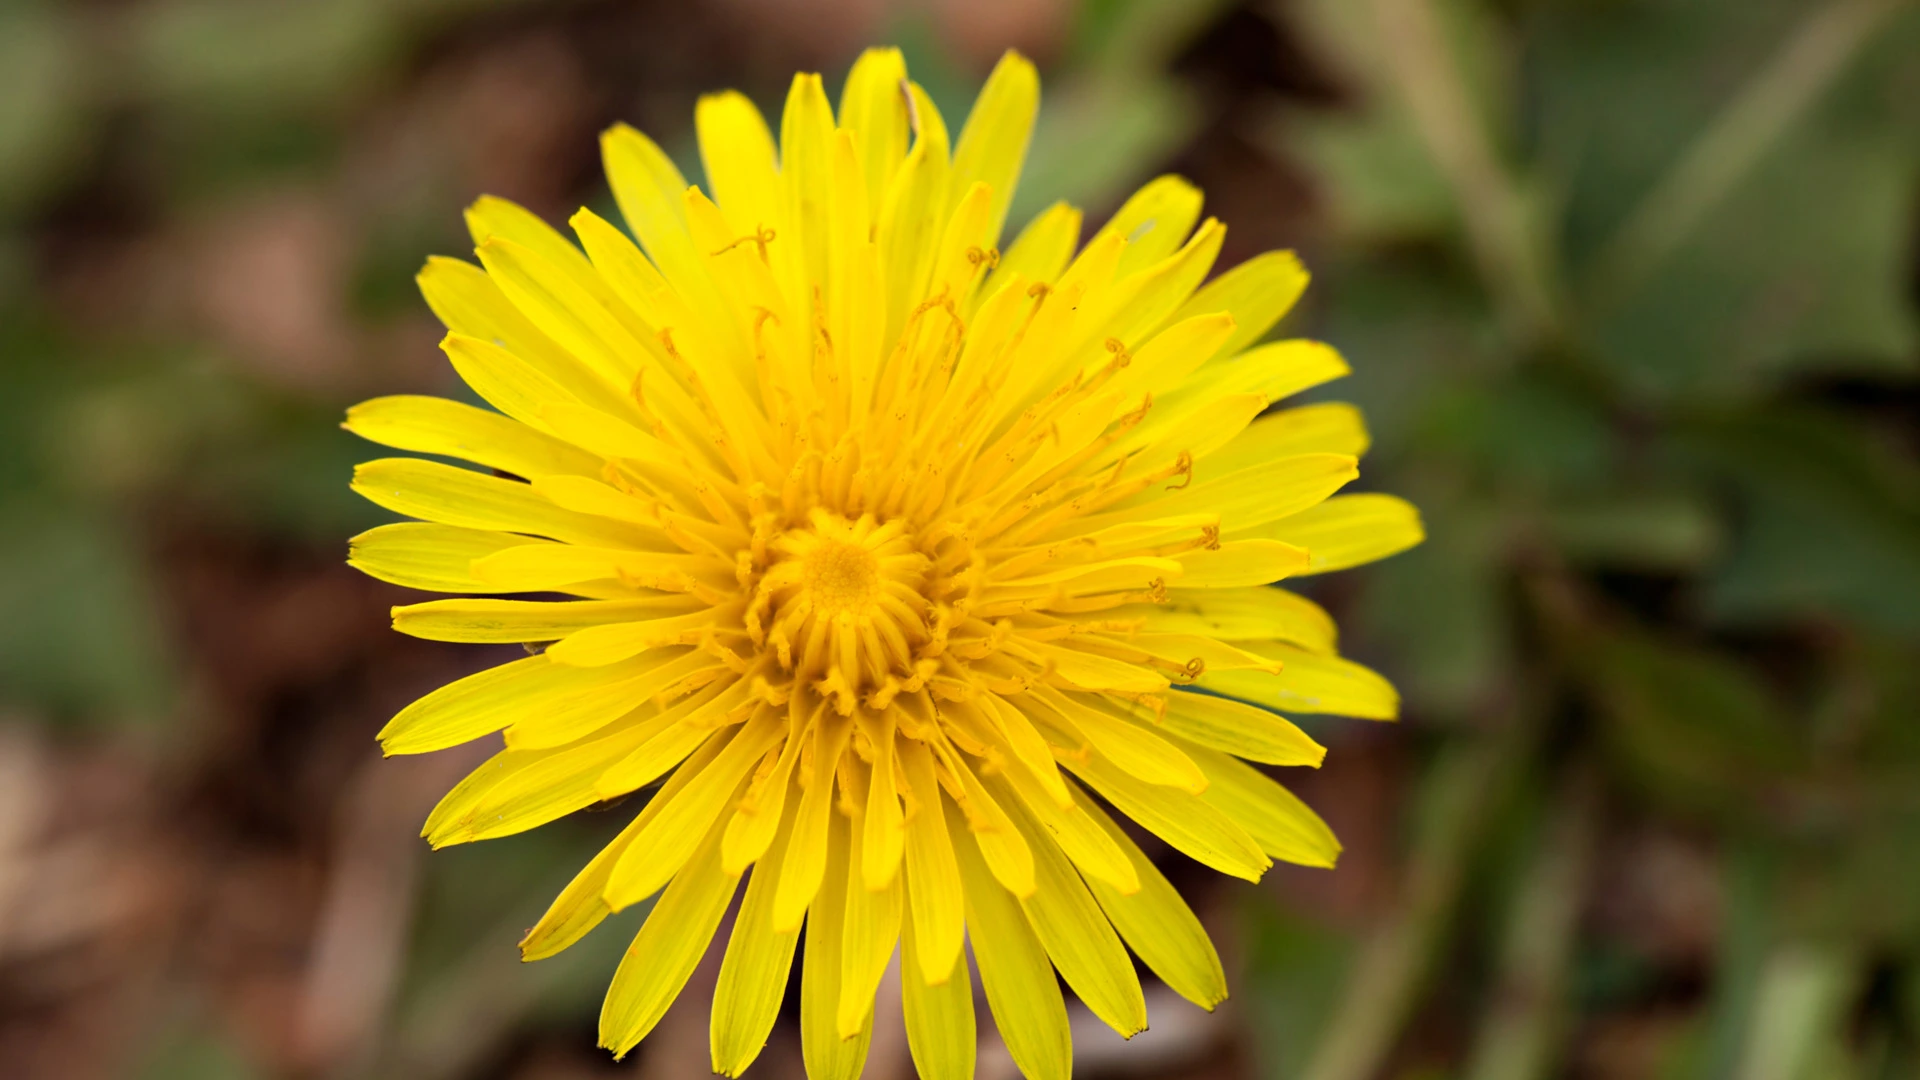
(841, 606)
(839, 576)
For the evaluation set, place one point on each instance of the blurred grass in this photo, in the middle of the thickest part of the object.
(1631, 292)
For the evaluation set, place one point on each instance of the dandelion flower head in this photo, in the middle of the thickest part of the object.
(900, 563)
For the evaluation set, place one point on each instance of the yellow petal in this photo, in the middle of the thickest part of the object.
(470, 304)
(638, 679)
(498, 621)
(431, 425)
(678, 731)
(1348, 530)
(1019, 981)
(806, 861)
(1087, 671)
(869, 932)
(611, 642)
(1042, 250)
(806, 171)
(1283, 826)
(450, 495)
(756, 816)
(1239, 615)
(1081, 942)
(505, 381)
(581, 905)
(434, 557)
(491, 216)
(1246, 498)
(1179, 818)
(580, 698)
(1157, 924)
(1074, 832)
(742, 164)
(1236, 728)
(668, 947)
(933, 877)
(1155, 221)
(659, 850)
(517, 790)
(540, 567)
(1332, 427)
(1309, 683)
(885, 832)
(874, 108)
(1144, 300)
(939, 1015)
(993, 144)
(911, 216)
(1141, 754)
(1256, 293)
(992, 832)
(753, 977)
(1238, 563)
(824, 1053)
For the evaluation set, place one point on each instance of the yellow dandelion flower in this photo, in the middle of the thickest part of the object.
(897, 556)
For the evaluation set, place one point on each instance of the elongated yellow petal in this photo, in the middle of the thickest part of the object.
(1019, 981)
(516, 790)
(659, 850)
(505, 381)
(1239, 615)
(581, 699)
(806, 171)
(1179, 818)
(1042, 250)
(432, 425)
(451, 495)
(638, 679)
(806, 862)
(525, 620)
(438, 558)
(828, 1056)
(1332, 427)
(1157, 924)
(753, 976)
(668, 947)
(582, 904)
(910, 220)
(873, 107)
(993, 144)
(742, 163)
(1238, 563)
(1155, 221)
(1138, 753)
(470, 304)
(1081, 942)
(1256, 293)
(1351, 529)
(933, 877)
(678, 731)
(1236, 728)
(1310, 683)
(610, 642)
(1077, 836)
(1283, 826)
(869, 932)
(939, 1014)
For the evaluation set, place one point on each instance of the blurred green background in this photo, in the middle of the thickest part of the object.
(1630, 288)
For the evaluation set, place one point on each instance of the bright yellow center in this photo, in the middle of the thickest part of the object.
(839, 576)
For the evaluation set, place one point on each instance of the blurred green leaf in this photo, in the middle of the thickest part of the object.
(1799, 264)
(79, 636)
(1636, 530)
(42, 99)
(1697, 730)
(1830, 522)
